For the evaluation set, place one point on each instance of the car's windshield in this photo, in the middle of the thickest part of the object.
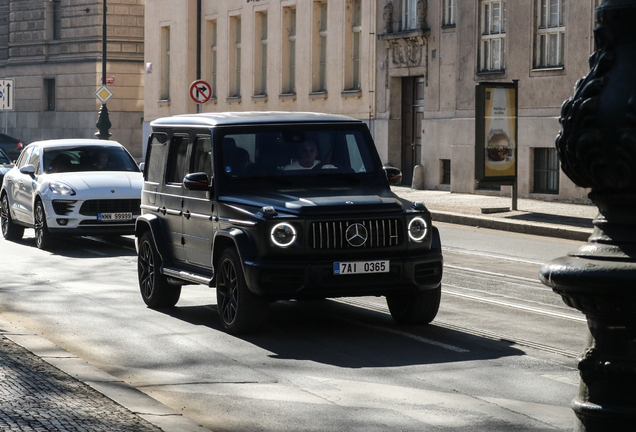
(4, 159)
(88, 158)
(295, 151)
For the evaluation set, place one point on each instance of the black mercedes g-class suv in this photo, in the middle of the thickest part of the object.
(269, 206)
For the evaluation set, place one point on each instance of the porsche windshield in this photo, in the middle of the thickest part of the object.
(88, 158)
(295, 151)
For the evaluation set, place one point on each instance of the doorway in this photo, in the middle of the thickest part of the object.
(412, 116)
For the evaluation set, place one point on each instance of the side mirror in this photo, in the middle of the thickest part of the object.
(28, 170)
(393, 174)
(142, 166)
(197, 181)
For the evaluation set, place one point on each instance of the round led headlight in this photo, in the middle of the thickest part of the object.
(60, 188)
(417, 229)
(283, 234)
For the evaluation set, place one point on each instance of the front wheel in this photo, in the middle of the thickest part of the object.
(241, 312)
(155, 289)
(43, 237)
(10, 231)
(416, 307)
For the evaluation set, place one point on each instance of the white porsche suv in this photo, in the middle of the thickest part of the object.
(71, 187)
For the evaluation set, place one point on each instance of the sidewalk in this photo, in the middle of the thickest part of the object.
(548, 219)
(45, 388)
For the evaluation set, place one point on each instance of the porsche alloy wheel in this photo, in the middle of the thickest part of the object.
(10, 231)
(43, 238)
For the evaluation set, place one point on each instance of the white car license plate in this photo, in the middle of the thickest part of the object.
(358, 267)
(114, 217)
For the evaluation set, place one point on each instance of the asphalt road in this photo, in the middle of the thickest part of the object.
(499, 357)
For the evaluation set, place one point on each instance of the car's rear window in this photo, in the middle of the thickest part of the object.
(88, 158)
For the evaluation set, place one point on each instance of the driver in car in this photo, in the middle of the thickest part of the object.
(307, 153)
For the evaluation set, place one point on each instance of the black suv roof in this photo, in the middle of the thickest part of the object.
(251, 117)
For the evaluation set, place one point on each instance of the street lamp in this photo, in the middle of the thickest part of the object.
(103, 122)
(597, 149)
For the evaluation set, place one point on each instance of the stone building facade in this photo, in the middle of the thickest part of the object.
(408, 68)
(53, 49)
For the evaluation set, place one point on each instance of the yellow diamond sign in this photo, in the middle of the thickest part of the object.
(103, 94)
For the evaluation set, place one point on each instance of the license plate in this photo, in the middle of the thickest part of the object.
(114, 217)
(358, 267)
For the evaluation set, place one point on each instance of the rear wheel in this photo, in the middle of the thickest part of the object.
(416, 307)
(241, 312)
(155, 289)
(10, 231)
(43, 237)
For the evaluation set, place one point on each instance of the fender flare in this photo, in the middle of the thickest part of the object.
(232, 237)
(152, 223)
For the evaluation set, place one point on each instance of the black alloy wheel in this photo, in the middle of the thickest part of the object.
(10, 231)
(155, 289)
(43, 238)
(241, 312)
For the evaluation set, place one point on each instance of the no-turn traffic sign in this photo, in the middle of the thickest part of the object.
(200, 91)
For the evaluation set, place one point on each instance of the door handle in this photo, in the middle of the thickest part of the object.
(187, 214)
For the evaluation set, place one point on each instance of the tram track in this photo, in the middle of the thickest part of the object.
(471, 330)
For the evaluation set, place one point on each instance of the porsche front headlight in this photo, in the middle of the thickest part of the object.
(60, 188)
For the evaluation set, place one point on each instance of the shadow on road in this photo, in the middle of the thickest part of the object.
(87, 246)
(342, 335)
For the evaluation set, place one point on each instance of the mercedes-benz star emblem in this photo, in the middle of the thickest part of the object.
(356, 235)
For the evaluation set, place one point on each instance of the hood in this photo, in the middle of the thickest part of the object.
(320, 201)
(101, 184)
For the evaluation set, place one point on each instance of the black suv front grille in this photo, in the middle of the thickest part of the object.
(332, 235)
(93, 207)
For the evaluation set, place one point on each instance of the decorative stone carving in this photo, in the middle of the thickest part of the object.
(422, 12)
(387, 16)
(407, 52)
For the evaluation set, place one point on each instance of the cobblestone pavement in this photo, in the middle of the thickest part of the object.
(35, 396)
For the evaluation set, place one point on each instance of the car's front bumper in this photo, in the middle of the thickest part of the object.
(317, 279)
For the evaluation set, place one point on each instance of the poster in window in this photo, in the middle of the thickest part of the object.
(496, 140)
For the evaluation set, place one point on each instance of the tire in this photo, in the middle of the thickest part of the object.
(43, 237)
(241, 312)
(10, 231)
(418, 307)
(155, 289)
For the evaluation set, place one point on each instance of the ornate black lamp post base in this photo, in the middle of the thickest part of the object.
(597, 148)
(103, 124)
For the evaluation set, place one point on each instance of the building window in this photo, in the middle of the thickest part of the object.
(53, 22)
(493, 35)
(165, 64)
(49, 94)
(550, 37)
(235, 56)
(546, 171)
(260, 54)
(450, 7)
(213, 57)
(353, 31)
(319, 48)
(446, 171)
(409, 14)
(289, 50)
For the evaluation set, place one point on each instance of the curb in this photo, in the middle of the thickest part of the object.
(502, 224)
(134, 400)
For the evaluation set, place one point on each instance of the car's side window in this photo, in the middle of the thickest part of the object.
(202, 156)
(24, 157)
(177, 167)
(34, 159)
(153, 172)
